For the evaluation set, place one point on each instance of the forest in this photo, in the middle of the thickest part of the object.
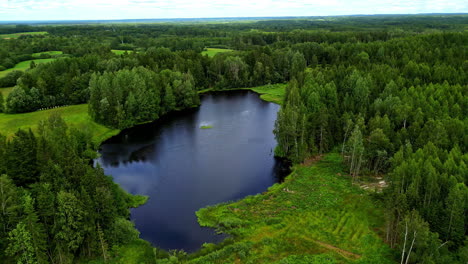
(388, 94)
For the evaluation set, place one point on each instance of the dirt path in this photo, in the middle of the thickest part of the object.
(342, 252)
(311, 160)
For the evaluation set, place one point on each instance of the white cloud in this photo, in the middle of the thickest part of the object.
(128, 9)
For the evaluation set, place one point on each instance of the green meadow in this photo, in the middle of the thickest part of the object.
(120, 52)
(315, 216)
(271, 92)
(75, 116)
(22, 66)
(211, 52)
(17, 35)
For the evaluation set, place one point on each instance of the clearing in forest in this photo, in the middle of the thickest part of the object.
(316, 214)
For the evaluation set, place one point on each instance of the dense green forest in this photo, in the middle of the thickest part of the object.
(388, 93)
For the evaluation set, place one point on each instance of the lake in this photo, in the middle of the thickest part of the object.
(183, 167)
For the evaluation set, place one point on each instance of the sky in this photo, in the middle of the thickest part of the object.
(11, 10)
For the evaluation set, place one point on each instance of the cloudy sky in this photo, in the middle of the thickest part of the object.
(133, 9)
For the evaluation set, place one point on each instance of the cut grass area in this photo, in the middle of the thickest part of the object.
(17, 35)
(24, 65)
(52, 53)
(75, 116)
(211, 52)
(315, 214)
(206, 127)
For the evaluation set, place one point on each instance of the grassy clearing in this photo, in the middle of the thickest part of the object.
(120, 52)
(211, 52)
(6, 91)
(315, 216)
(75, 116)
(271, 92)
(22, 66)
(139, 251)
(52, 53)
(206, 127)
(17, 35)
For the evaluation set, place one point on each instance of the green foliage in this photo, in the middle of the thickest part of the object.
(21, 158)
(17, 35)
(126, 98)
(72, 210)
(391, 89)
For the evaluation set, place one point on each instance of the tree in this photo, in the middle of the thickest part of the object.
(456, 210)
(355, 151)
(21, 246)
(377, 149)
(22, 158)
(34, 228)
(9, 208)
(69, 225)
(18, 101)
(418, 243)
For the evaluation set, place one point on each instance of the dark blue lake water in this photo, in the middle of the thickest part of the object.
(182, 167)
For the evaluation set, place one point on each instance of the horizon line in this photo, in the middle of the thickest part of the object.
(233, 17)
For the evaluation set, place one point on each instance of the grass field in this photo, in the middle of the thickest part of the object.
(75, 116)
(213, 51)
(52, 53)
(22, 66)
(17, 35)
(315, 216)
(271, 92)
(120, 52)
